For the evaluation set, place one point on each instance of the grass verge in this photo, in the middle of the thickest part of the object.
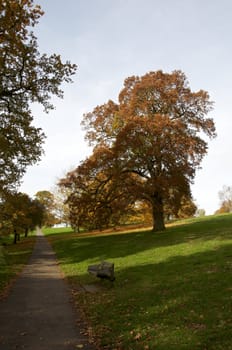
(12, 259)
(172, 291)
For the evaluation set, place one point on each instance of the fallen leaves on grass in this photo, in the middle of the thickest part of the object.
(138, 336)
(196, 326)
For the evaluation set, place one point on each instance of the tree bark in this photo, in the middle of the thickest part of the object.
(158, 213)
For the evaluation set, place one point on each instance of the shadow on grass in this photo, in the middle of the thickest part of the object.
(172, 289)
(77, 248)
(182, 303)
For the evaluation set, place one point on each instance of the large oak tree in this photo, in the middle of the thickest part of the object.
(26, 76)
(155, 136)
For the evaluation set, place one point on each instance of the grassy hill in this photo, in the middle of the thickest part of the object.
(173, 289)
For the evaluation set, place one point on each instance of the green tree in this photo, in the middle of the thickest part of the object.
(26, 77)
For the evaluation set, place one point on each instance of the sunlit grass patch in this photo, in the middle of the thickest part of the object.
(54, 231)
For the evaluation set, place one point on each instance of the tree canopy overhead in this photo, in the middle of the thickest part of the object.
(26, 76)
(154, 135)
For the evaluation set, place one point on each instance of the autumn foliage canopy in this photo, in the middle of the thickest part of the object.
(26, 77)
(147, 148)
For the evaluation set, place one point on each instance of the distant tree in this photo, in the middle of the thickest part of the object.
(47, 201)
(200, 212)
(225, 197)
(187, 208)
(154, 138)
(26, 77)
(181, 206)
(19, 214)
(140, 213)
(61, 207)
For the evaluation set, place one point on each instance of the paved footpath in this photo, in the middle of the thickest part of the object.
(37, 314)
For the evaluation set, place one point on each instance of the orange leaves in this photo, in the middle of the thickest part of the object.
(136, 335)
(149, 142)
(98, 193)
(102, 124)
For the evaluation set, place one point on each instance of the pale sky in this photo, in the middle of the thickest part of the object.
(111, 40)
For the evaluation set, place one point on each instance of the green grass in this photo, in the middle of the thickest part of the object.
(173, 289)
(53, 231)
(12, 259)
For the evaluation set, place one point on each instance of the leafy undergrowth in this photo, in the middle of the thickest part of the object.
(172, 291)
(12, 259)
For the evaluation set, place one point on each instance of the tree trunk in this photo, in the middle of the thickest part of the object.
(77, 228)
(15, 238)
(158, 213)
(26, 232)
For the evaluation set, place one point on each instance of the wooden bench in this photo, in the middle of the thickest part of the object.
(104, 270)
